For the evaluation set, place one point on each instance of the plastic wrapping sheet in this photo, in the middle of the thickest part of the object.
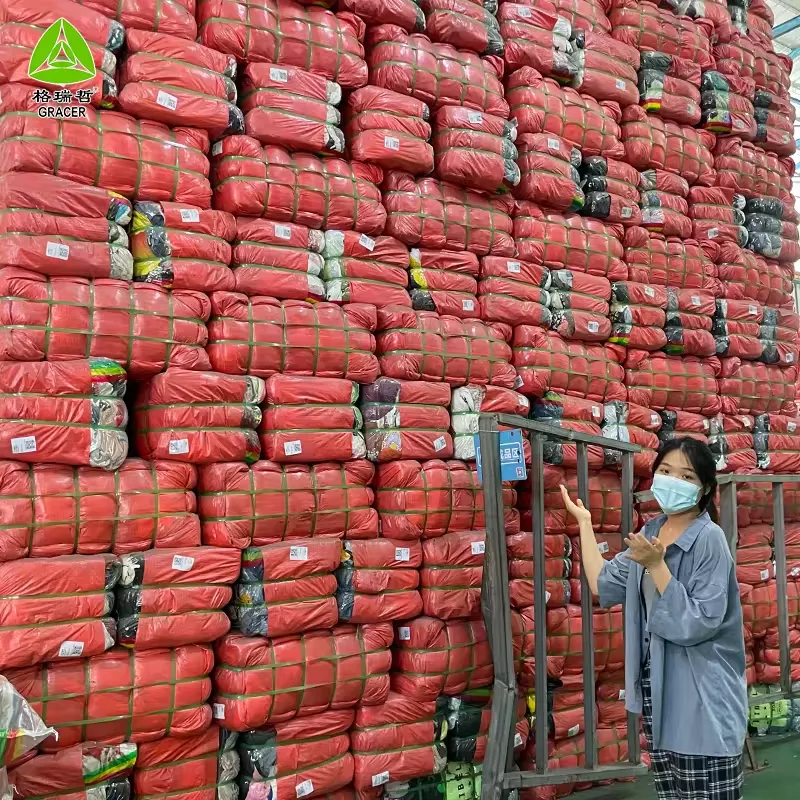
(736, 57)
(463, 23)
(263, 336)
(397, 741)
(611, 702)
(569, 414)
(565, 713)
(437, 74)
(717, 216)
(760, 608)
(188, 769)
(467, 742)
(548, 167)
(747, 330)
(264, 503)
(731, 440)
(49, 510)
(583, 14)
(290, 107)
(422, 500)
(653, 259)
(405, 13)
(612, 208)
(689, 322)
(378, 581)
(144, 328)
(540, 105)
(475, 150)
(714, 10)
(748, 169)
(287, 588)
(777, 443)
(389, 129)
(606, 67)
(288, 33)
(768, 670)
(182, 247)
(68, 616)
(429, 213)
(172, 597)
(174, 17)
(746, 276)
(260, 681)
(660, 381)
(569, 241)
(546, 362)
(257, 181)
(199, 417)
(112, 151)
(628, 422)
(359, 268)
(558, 565)
(754, 555)
(513, 292)
(773, 70)
(757, 508)
(418, 345)
(433, 656)
(70, 413)
(451, 574)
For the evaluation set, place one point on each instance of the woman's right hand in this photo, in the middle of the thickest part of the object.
(576, 508)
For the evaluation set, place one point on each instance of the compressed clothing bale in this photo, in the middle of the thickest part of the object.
(570, 414)
(611, 702)
(172, 597)
(429, 213)
(628, 422)
(420, 500)
(727, 105)
(255, 181)
(718, 216)
(360, 269)
(142, 327)
(182, 247)
(292, 108)
(546, 362)
(665, 214)
(175, 17)
(68, 617)
(451, 574)
(689, 322)
(565, 713)
(466, 405)
(286, 33)
(521, 566)
(768, 668)
(287, 588)
(777, 442)
(263, 336)
(606, 67)
(261, 681)
(199, 417)
(579, 305)
(684, 423)
(406, 14)
(465, 24)
(311, 420)
(569, 242)
(747, 387)
(444, 282)
(754, 555)
(582, 14)
(748, 169)
(389, 129)
(377, 581)
(47, 510)
(715, 11)
(669, 88)
(242, 505)
(730, 438)
(419, 345)
(69, 413)
(121, 695)
(760, 608)
(513, 292)
(549, 176)
(750, 331)
(599, 174)
(472, 747)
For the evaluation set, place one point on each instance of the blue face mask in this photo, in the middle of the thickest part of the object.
(674, 495)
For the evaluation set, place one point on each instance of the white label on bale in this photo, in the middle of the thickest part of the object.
(695, 300)
(182, 563)
(738, 124)
(304, 788)
(404, 634)
(654, 419)
(167, 100)
(278, 75)
(190, 215)
(795, 572)
(553, 144)
(475, 117)
(547, 597)
(689, 108)
(593, 326)
(621, 694)
(468, 305)
(216, 148)
(514, 266)
(789, 358)
(293, 448)
(283, 232)
(791, 427)
(524, 12)
(746, 422)
(178, 447)
(439, 444)
(402, 554)
(620, 83)
(713, 233)
(391, 142)
(596, 411)
(602, 547)
(70, 649)
(626, 212)
(380, 778)
(298, 553)
(649, 291)
(56, 250)
(517, 739)
(518, 382)
(366, 242)
(218, 711)
(23, 444)
(753, 310)
(478, 548)
(706, 424)
(764, 574)
(574, 730)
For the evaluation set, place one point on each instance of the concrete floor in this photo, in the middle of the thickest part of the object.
(779, 781)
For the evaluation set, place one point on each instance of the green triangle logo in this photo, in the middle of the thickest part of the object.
(61, 56)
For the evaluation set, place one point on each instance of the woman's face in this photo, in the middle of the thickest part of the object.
(677, 465)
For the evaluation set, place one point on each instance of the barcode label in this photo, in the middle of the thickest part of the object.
(178, 447)
(596, 411)
(292, 448)
(592, 326)
(518, 382)
(517, 739)
(553, 144)
(475, 117)
(279, 75)
(70, 649)
(167, 100)
(298, 553)
(216, 148)
(620, 83)
(602, 547)
(404, 634)
(304, 788)
(56, 250)
(764, 574)
(514, 266)
(391, 142)
(439, 444)
(23, 444)
(190, 215)
(649, 291)
(547, 597)
(746, 423)
(218, 711)
(366, 242)
(621, 694)
(654, 419)
(402, 554)
(468, 305)
(791, 427)
(478, 548)
(626, 212)
(795, 572)
(524, 12)
(182, 563)
(753, 310)
(574, 730)
(380, 778)
(713, 233)
(283, 232)
(789, 358)
(695, 300)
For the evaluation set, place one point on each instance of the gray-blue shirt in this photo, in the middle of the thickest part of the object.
(697, 657)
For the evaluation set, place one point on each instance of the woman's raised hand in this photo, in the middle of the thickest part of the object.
(576, 508)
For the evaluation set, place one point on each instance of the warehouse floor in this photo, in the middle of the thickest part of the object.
(777, 782)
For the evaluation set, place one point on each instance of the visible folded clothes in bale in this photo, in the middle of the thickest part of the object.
(443, 281)
(730, 438)
(199, 417)
(747, 330)
(669, 88)
(579, 305)
(405, 13)
(261, 681)
(689, 323)
(451, 574)
(606, 67)
(777, 443)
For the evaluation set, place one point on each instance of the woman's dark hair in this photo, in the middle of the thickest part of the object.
(703, 463)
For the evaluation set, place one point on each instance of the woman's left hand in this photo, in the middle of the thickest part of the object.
(647, 553)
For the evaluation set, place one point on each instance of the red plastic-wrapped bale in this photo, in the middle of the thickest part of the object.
(463, 23)
(677, 423)
(175, 17)
(570, 414)
(579, 305)
(451, 574)
(754, 555)
(748, 169)
(606, 68)
(627, 422)
(777, 443)
(444, 281)
(557, 567)
(727, 105)
(405, 13)
(731, 441)
(513, 292)
(688, 323)
(548, 172)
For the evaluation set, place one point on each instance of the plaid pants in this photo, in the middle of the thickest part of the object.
(681, 777)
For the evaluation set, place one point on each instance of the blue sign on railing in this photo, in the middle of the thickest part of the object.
(512, 456)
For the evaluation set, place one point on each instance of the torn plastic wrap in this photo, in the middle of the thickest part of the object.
(451, 574)
(23, 730)
(579, 305)
(261, 504)
(60, 608)
(255, 181)
(747, 387)
(260, 681)
(290, 107)
(628, 422)
(549, 172)
(49, 510)
(287, 588)
(172, 597)
(463, 23)
(182, 247)
(144, 328)
(569, 414)
(558, 566)
(378, 581)
(731, 441)
(175, 17)
(513, 292)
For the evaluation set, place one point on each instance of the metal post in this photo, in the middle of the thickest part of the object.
(782, 589)
(727, 515)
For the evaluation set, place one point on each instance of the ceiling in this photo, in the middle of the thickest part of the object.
(784, 10)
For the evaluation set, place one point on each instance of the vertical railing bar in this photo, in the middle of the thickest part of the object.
(781, 580)
(539, 599)
(728, 515)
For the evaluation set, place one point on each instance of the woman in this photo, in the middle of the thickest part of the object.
(684, 642)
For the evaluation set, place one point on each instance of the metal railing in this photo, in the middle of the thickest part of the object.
(499, 772)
